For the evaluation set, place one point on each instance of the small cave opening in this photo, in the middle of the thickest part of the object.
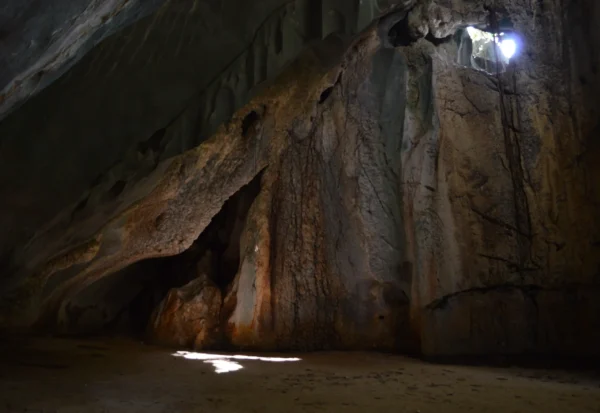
(487, 51)
(249, 123)
(399, 34)
(325, 94)
(117, 189)
(123, 303)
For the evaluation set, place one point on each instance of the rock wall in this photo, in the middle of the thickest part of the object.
(510, 258)
(68, 156)
(322, 252)
(406, 202)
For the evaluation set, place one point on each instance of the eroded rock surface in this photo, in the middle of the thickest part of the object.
(406, 202)
(189, 316)
(191, 65)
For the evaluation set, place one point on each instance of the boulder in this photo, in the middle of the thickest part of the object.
(188, 316)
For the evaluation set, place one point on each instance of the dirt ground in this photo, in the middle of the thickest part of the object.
(66, 376)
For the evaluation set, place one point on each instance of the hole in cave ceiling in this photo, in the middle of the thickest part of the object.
(487, 51)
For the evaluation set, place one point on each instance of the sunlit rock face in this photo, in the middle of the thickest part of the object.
(376, 193)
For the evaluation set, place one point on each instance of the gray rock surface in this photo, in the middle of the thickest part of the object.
(40, 40)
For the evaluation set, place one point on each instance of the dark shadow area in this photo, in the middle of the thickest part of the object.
(438, 41)
(591, 366)
(325, 94)
(155, 143)
(399, 34)
(249, 123)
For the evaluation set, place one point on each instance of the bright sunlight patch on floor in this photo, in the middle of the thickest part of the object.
(225, 364)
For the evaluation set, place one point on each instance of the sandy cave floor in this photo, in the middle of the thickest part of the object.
(55, 375)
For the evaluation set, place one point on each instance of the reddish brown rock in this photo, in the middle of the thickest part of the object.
(188, 316)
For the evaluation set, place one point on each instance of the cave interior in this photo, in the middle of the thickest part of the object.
(329, 204)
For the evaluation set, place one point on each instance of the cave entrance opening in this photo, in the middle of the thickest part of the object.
(123, 303)
(487, 51)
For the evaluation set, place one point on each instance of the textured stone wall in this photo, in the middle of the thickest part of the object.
(510, 261)
(406, 202)
(101, 128)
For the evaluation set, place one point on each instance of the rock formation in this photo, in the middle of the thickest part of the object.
(189, 316)
(355, 187)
